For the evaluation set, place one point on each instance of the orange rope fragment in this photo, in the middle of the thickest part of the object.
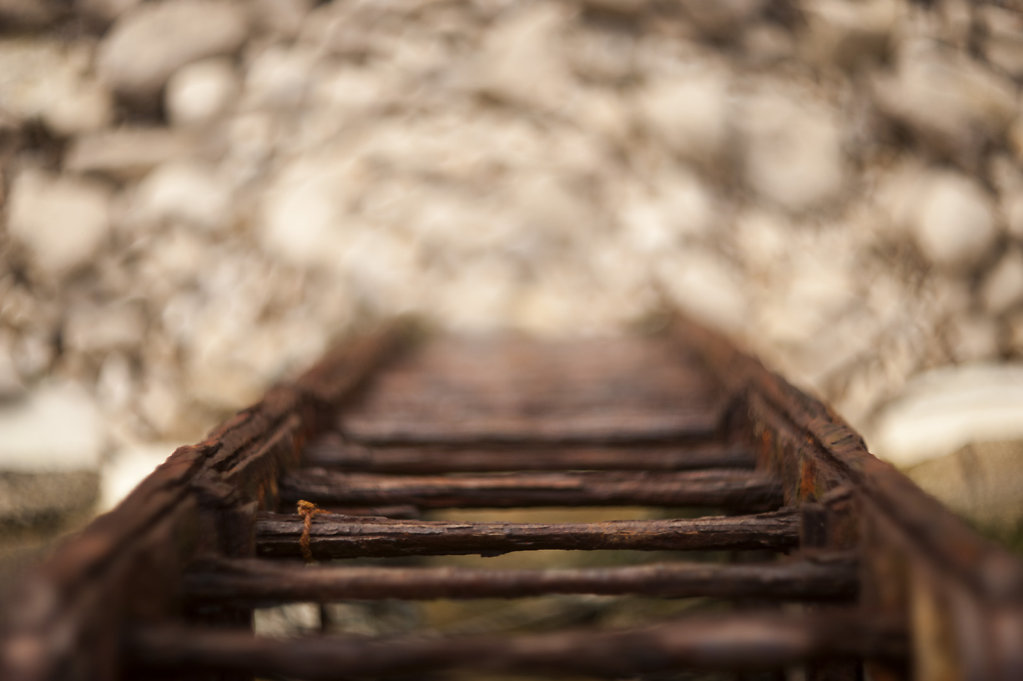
(307, 510)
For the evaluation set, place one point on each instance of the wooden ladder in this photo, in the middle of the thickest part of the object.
(728, 523)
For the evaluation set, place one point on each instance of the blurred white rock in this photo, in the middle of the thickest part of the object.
(381, 268)
(945, 409)
(954, 224)
(106, 10)
(1005, 173)
(898, 191)
(216, 382)
(169, 268)
(183, 193)
(825, 362)
(679, 209)
(972, 337)
(953, 23)
(92, 328)
(626, 7)
(126, 467)
(542, 305)
(1003, 286)
(816, 291)
(520, 62)
(606, 57)
(115, 385)
(287, 620)
(50, 80)
(167, 405)
(480, 296)
(724, 18)
(42, 499)
(161, 402)
(252, 138)
(11, 385)
(850, 34)
(575, 155)
(128, 152)
(149, 43)
(980, 481)
(767, 44)
(202, 91)
(762, 238)
(706, 287)
(1014, 335)
(33, 353)
(1015, 138)
(691, 114)
(303, 211)
(279, 78)
(56, 427)
(440, 222)
(793, 154)
(947, 295)
(29, 14)
(606, 115)
(344, 90)
(1013, 207)
(282, 18)
(1003, 45)
(549, 212)
(270, 353)
(62, 222)
(231, 360)
(946, 99)
(347, 30)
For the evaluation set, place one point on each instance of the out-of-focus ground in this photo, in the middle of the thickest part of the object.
(197, 196)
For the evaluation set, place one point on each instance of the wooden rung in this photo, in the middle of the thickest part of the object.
(333, 451)
(741, 641)
(580, 429)
(264, 582)
(337, 536)
(736, 490)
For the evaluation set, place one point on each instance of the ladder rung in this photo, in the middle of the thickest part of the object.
(334, 452)
(580, 429)
(741, 641)
(737, 490)
(336, 536)
(260, 581)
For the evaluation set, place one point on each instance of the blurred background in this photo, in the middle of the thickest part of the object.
(199, 195)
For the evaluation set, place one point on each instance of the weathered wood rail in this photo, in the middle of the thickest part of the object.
(394, 427)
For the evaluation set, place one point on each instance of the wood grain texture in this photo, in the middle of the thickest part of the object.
(335, 536)
(746, 641)
(822, 578)
(734, 490)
